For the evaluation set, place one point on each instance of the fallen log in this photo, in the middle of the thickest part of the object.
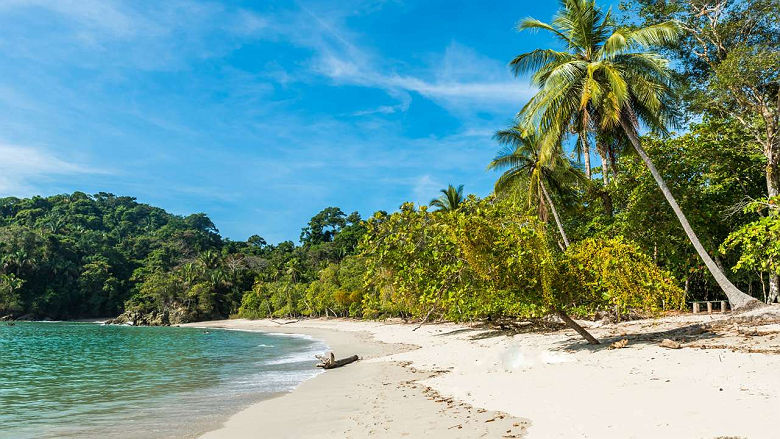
(330, 362)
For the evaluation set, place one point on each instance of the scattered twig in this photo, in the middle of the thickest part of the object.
(425, 319)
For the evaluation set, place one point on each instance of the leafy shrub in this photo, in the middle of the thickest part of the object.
(758, 241)
(614, 274)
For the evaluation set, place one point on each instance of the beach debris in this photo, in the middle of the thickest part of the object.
(619, 344)
(669, 344)
(328, 361)
(425, 319)
(288, 322)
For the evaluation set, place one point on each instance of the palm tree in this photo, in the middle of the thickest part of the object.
(209, 260)
(525, 167)
(450, 200)
(611, 73)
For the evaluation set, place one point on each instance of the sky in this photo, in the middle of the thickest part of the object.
(258, 114)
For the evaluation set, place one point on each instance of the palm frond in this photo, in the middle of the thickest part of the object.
(533, 24)
(536, 59)
(655, 35)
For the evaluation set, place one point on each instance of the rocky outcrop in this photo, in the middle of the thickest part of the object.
(28, 317)
(165, 317)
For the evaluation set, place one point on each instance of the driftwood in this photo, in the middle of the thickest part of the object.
(286, 323)
(329, 361)
(670, 344)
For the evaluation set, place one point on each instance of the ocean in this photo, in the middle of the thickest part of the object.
(64, 379)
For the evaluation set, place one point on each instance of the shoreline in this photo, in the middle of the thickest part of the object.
(376, 396)
(467, 382)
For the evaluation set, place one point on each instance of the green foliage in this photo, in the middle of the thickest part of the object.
(512, 260)
(728, 65)
(759, 240)
(614, 274)
(489, 261)
(79, 255)
(711, 169)
(10, 299)
(411, 262)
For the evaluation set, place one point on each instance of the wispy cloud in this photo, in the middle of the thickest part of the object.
(457, 77)
(425, 188)
(206, 106)
(153, 36)
(22, 167)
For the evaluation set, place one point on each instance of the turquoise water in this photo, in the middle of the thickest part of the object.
(90, 380)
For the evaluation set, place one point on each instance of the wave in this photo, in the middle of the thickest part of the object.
(274, 381)
(261, 331)
(299, 357)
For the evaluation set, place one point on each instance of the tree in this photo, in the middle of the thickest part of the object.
(621, 80)
(759, 242)
(257, 241)
(711, 169)
(450, 200)
(10, 302)
(729, 54)
(525, 167)
(582, 27)
(323, 226)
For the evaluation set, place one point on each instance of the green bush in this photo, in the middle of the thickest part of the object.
(614, 274)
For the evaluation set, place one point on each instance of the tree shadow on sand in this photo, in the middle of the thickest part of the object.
(691, 333)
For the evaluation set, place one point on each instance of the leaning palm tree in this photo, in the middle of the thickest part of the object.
(450, 200)
(524, 167)
(611, 73)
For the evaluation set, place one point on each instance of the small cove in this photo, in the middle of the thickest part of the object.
(64, 379)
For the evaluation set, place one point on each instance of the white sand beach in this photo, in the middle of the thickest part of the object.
(449, 380)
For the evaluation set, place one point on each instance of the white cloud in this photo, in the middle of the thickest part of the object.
(88, 14)
(459, 79)
(22, 166)
(425, 188)
(101, 34)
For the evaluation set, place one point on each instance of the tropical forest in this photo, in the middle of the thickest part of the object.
(643, 174)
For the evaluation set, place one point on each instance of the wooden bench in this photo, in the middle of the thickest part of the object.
(697, 305)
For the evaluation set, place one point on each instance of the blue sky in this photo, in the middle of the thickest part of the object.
(257, 113)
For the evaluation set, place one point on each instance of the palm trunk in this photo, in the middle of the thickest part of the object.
(565, 317)
(586, 151)
(737, 298)
(555, 214)
(576, 326)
